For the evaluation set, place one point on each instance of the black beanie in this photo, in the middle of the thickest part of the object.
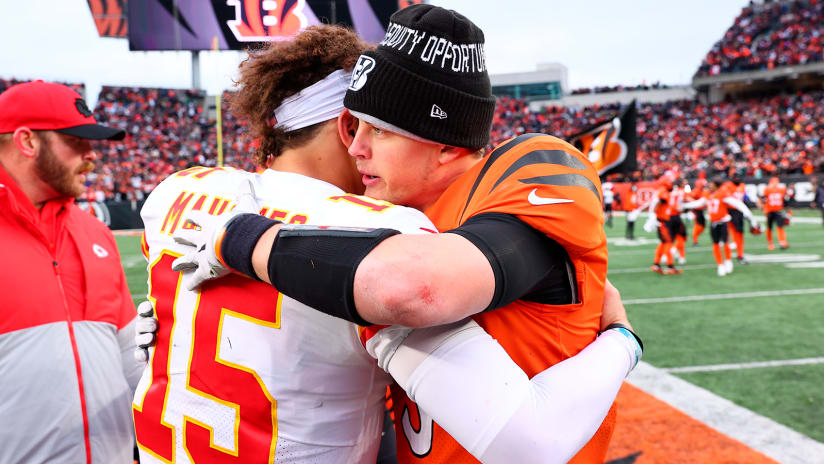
(427, 78)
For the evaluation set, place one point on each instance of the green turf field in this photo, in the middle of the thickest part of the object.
(773, 311)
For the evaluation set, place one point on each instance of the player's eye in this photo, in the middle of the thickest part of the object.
(377, 130)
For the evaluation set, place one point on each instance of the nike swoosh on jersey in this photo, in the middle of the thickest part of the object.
(536, 200)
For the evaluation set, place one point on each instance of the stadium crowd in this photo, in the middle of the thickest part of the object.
(758, 137)
(769, 35)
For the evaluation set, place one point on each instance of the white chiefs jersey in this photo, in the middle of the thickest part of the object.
(241, 373)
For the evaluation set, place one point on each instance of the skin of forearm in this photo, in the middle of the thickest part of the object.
(423, 280)
(411, 280)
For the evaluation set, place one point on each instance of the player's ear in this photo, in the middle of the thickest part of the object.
(26, 141)
(450, 154)
(347, 126)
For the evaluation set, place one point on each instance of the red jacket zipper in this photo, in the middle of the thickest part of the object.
(77, 366)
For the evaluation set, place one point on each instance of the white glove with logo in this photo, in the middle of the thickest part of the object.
(204, 233)
(145, 329)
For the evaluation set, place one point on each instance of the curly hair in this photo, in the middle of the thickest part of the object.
(284, 68)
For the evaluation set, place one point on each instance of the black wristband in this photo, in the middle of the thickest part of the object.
(239, 240)
(618, 325)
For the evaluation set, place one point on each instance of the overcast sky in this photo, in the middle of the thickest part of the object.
(601, 42)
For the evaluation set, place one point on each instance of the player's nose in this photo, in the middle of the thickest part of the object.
(360, 147)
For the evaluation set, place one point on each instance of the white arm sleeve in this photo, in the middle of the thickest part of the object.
(695, 203)
(459, 375)
(740, 206)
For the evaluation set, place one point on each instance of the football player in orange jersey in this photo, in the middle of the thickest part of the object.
(773, 202)
(717, 201)
(700, 221)
(524, 223)
(675, 224)
(633, 207)
(659, 218)
(736, 189)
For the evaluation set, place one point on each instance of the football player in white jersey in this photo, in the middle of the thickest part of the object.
(240, 372)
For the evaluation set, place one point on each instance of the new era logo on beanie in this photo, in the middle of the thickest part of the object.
(430, 64)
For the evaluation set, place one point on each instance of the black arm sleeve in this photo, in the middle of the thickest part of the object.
(316, 266)
(527, 264)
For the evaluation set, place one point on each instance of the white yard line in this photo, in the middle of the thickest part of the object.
(764, 435)
(749, 365)
(690, 249)
(724, 296)
(786, 259)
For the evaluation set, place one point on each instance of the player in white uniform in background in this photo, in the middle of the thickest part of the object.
(242, 372)
(609, 199)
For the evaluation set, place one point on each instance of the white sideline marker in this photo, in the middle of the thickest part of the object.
(749, 365)
(724, 296)
(758, 432)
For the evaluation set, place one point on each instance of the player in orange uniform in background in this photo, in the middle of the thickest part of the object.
(774, 195)
(700, 220)
(675, 224)
(659, 217)
(717, 203)
(736, 189)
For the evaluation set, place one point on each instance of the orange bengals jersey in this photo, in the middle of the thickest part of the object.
(662, 207)
(551, 186)
(716, 207)
(774, 198)
(676, 197)
(696, 193)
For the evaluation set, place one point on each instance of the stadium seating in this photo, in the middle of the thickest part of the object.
(757, 137)
(769, 35)
(750, 137)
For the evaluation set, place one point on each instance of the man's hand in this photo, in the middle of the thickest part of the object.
(613, 310)
(204, 233)
(145, 329)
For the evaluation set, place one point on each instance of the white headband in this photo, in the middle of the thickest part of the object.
(319, 102)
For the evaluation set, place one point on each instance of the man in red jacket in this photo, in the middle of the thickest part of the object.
(66, 315)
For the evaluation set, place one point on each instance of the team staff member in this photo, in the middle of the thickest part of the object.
(526, 221)
(66, 317)
(774, 195)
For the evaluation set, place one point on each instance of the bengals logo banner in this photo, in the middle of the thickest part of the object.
(238, 24)
(109, 17)
(610, 145)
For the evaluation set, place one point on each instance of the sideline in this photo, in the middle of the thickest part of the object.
(758, 432)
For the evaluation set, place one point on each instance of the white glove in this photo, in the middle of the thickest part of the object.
(632, 216)
(204, 232)
(145, 329)
(651, 224)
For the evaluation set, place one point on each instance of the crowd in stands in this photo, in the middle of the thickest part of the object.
(6, 83)
(755, 137)
(620, 88)
(769, 35)
(169, 130)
